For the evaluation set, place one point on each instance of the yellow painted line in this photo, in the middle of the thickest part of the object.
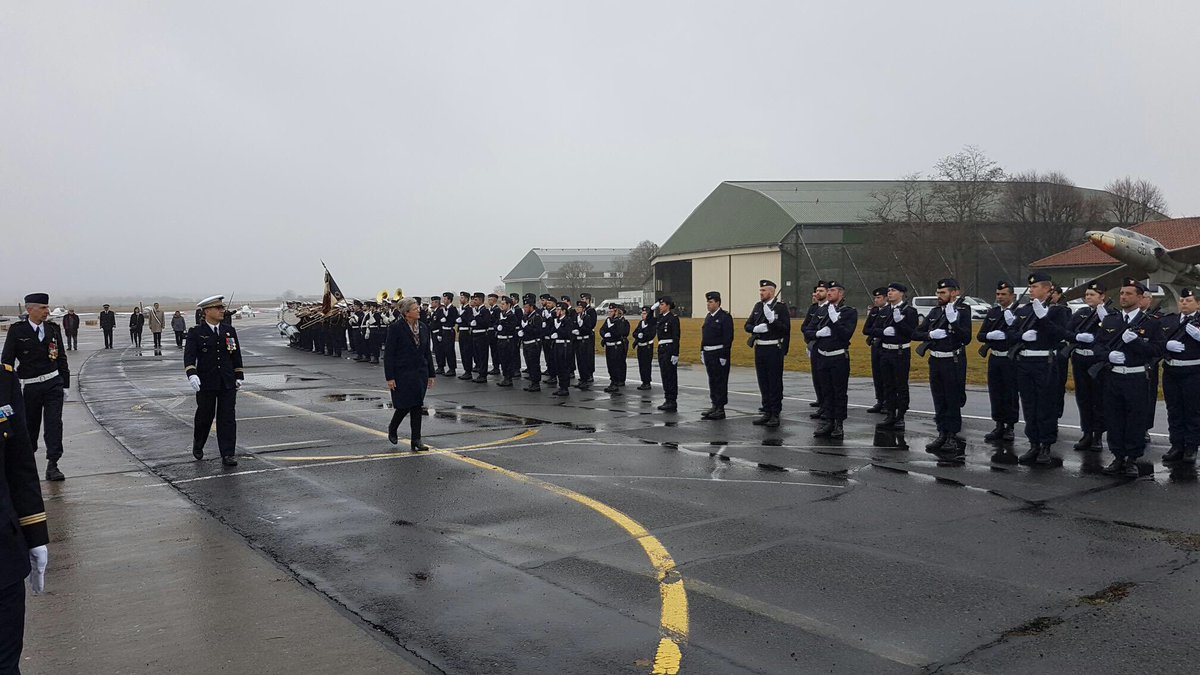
(673, 618)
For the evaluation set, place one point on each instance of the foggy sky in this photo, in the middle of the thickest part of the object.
(190, 148)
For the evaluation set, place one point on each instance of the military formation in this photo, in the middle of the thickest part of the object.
(1031, 347)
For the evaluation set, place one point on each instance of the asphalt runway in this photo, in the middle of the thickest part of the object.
(598, 535)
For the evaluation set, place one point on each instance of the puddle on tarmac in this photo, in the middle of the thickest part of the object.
(773, 442)
(339, 398)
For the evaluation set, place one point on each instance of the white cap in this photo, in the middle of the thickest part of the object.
(210, 302)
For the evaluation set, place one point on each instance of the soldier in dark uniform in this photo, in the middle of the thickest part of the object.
(563, 360)
(1089, 391)
(1181, 379)
(493, 308)
(819, 295)
(615, 334)
(894, 334)
(1127, 340)
(374, 331)
(466, 345)
(507, 341)
(108, 321)
(34, 347)
(716, 352)
(585, 343)
(829, 336)
(1145, 302)
(947, 330)
(1063, 360)
(1002, 374)
(212, 361)
(771, 331)
(668, 333)
(643, 340)
(878, 307)
(1036, 330)
(444, 323)
(530, 335)
(481, 332)
(548, 311)
(23, 536)
(354, 321)
(435, 333)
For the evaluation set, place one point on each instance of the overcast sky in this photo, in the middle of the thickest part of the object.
(200, 147)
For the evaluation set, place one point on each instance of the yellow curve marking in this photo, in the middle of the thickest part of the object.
(673, 619)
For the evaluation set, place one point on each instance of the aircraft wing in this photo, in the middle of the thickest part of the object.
(1110, 280)
(1189, 255)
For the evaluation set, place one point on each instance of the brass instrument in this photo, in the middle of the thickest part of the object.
(383, 296)
(398, 295)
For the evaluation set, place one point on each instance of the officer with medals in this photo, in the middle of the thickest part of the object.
(643, 340)
(1001, 374)
(563, 361)
(530, 335)
(818, 302)
(466, 346)
(212, 361)
(1089, 391)
(35, 349)
(946, 330)
(829, 337)
(1181, 379)
(507, 341)
(878, 306)
(614, 332)
(716, 351)
(770, 331)
(893, 333)
(23, 535)
(668, 333)
(1127, 341)
(1036, 328)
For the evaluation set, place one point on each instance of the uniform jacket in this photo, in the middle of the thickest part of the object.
(530, 326)
(585, 323)
(108, 319)
(644, 336)
(903, 328)
(717, 332)
(614, 333)
(156, 319)
(1051, 328)
(22, 515)
(32, 358)
(481, 320)
(444, 321)
(995, 321)
(507, 325)
(778, 329)
(216, 358)
(667, 328)
(841, 331)
(1148, 345)
(1170, 327)
(958, 332)
(873, 315)
(409, 362)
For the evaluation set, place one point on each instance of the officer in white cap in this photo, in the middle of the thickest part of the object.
(212, 361)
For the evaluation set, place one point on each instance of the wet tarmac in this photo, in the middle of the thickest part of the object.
(512, 547)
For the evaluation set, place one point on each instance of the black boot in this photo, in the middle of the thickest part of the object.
(668, 406)
(465, 376)
(1085, 443)
(878, 407)
(52, 472)
(1044, 458)
(1189, 456)
(643, 387)
(815, 404)
(393, 438)
(610, 389)
(898, 424)
(1174, 454)
(995, 434)
(1030, 455)
(818, 415)
(561, 392)
(888, 421)
(533, 387)
(717, 414)
(772, 421)
(506, 382)
(766, 417)
(1010, 433)
(824, 429)
(418, 446)
(1115, 468)
(936, 445)
(704, 415)
(197, 450)
(838, 431)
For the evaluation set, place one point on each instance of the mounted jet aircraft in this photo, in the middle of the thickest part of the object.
(1145, 258)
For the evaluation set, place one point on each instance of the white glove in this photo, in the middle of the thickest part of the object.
(834, 315)
(951, 313)
(1128, 336)
(1117, 358)
(674, 360)
(723, 361)
(575, 332)
(1101, 311)
(761, 328)
(194, 380)
(995, 335)
(1040, 310)
(554, 336)
(237, 384)
(1086, 338)
(472, 323)
(1029, 335)
(769, 313)
(39, 557)
(1009, 317)
(889, 331)
(520, 333)
(938, 334)
(824, 332)
(1194, 331)
(608, 335)
(897, 315)
(654, 307)
(702, 359)
(1175, 346)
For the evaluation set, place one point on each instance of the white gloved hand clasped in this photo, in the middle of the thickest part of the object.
(761, 328)
(1086, 338)
(938, 334)
(897, 315)
(1029, 335)
(194, 380)
(1117, 358)
(995, 335)
(889, 331)
(951, 313)
(825, 331)
(1175, 346)
(1128, 336)
(1194, 331)
(674, 360)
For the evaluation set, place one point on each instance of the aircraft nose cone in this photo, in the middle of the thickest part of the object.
(1103, 241)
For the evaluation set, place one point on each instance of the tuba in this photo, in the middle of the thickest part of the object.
(399, 295)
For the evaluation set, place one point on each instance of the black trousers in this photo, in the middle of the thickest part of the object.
(1125, 403)
(466, 349)
(894, 364)
(645, 357)
(876, 376)
(533, 360)
(1037, 377)
(108, 338)
(157, 339)
(768, 365)
(178, 338)
(72, 341)
(585, 357)
(1089, 395)
(948, 384)
(812, 368)
(482, 349)
(564, 364)
(831, 377)
(510, 359)
(1002, 390)
(614, 359)
(718, 376)
(494, 350)
(669, 371)
(1060, 384)
(414, 422)
(135, 337)
(220, 403)
(44, 402)
(1181, 388)
(1152, 409)
(12, 627)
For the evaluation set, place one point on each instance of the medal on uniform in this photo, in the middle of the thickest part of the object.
(53, 349)
(230, 343)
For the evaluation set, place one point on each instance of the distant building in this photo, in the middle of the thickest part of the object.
(1080, 264)
(570, 271)
(796, 232)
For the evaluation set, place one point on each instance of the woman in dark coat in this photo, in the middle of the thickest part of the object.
(408, 367)
(136, 321)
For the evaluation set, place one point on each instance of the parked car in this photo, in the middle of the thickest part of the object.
(924, 303)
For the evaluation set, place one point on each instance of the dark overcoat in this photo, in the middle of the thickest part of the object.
(408, 363)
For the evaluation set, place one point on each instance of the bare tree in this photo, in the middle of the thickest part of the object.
(1133, 201)
(1046, 213)
(636, 267)
(574, 276)
(966, 186)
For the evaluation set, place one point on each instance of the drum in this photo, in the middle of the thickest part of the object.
(289, 317)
